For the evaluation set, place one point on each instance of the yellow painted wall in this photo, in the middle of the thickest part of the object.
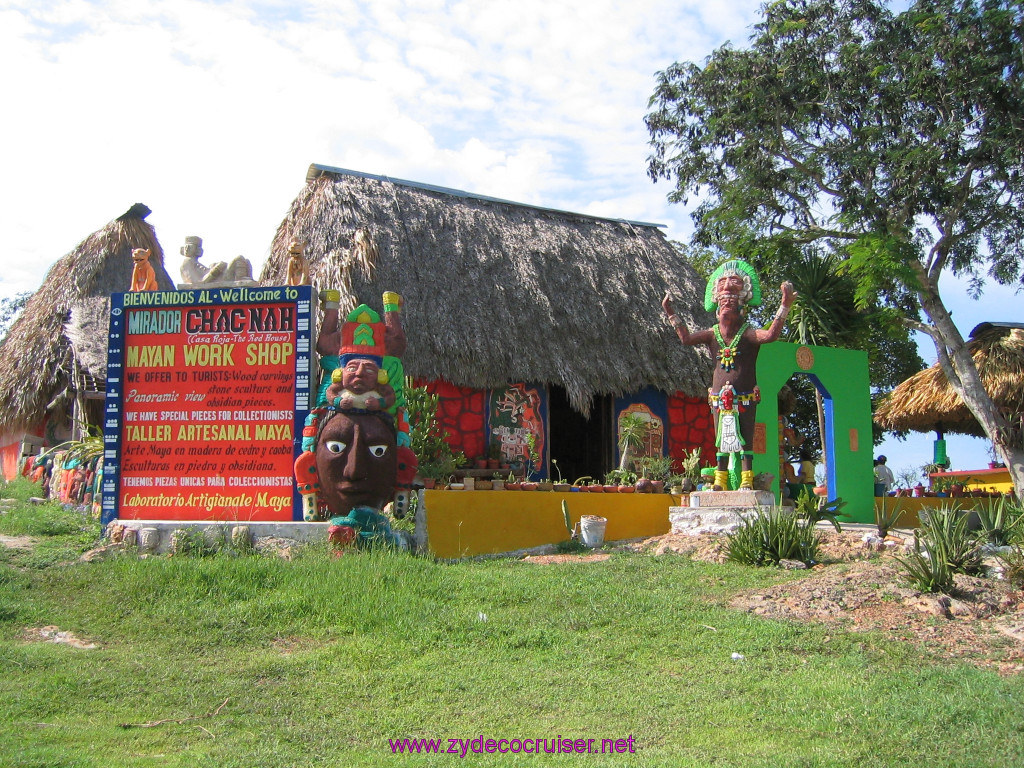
(982, 479)
(467, 523)
(910, 506)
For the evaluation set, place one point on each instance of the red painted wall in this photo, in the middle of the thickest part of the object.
(462, 412)
(689, 427)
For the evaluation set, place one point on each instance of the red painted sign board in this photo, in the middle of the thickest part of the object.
(208, 404)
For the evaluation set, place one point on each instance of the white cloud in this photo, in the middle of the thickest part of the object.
(211, 112)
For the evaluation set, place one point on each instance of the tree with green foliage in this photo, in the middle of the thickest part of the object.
(893, 139)
(10, 308)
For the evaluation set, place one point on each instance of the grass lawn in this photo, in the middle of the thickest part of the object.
(320, 661)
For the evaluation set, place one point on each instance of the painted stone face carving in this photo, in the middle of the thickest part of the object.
(143, 274)
(734, 393)
(356, 459)
(356, 456)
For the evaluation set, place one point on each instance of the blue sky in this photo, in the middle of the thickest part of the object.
(211, 112)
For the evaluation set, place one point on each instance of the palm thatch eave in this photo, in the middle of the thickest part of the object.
(496, 291)
(37, 364)
(926, 402)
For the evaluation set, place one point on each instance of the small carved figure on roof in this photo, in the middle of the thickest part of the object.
(193, 274)
(143, 274)
(298, 264)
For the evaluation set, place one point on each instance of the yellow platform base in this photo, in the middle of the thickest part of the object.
(468, 523)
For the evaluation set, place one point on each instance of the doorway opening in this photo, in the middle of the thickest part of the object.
(812, 421)
(582, 446)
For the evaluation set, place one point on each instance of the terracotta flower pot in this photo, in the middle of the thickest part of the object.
(513, 486)
(627, 489)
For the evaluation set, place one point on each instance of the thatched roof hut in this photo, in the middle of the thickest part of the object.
(926, 402)
(38, 371)
(497, 291)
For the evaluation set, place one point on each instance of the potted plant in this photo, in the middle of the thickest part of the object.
(691, 474)
(657, 469)
(619, 480)
(633, 431)
(559, 486)
(427, 439)
(905, 480)
(432, 470)
(497, 482)
(494, 455)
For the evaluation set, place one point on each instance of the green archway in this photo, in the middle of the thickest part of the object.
(841, 375)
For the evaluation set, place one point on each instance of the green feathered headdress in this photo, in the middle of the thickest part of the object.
(733, 266)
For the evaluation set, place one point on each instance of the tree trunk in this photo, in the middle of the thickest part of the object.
(963, 376)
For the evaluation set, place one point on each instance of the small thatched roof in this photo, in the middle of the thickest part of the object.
(36, 363)
(497, 291)
(926, 402)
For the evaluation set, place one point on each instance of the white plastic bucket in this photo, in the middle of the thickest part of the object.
(592, 530)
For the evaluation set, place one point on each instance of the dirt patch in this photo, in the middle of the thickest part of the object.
(596, 557)
(53, 634)
(860, 587)
(17, 542)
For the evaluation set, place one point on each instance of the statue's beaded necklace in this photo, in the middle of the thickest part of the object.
(727, 352)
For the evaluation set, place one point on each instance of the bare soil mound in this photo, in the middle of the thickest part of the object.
(860, 587)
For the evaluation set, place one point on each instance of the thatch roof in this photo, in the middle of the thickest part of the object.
(497, 291)
(36, 365)
(926, 402)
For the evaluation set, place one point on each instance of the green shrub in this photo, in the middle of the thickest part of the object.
(1002, 521)
(946, 534)
(812, 509)
(927, 570)
(1013, 566)
(945, 546)
(774, 535)
(49, 519)
(886, 519)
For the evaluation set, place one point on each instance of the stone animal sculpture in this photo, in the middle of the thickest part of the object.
(143, 274)
(734, 394)
(298, 264)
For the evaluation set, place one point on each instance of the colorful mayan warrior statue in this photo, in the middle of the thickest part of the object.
(734, 393)
(356, 455)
